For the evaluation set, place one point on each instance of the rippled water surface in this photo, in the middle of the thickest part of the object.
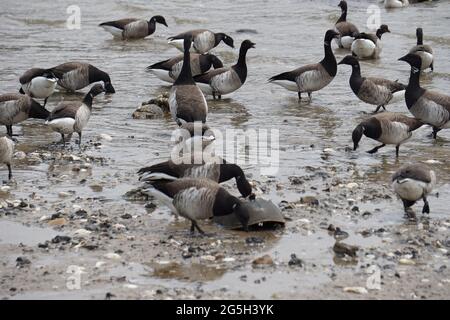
(288, 34)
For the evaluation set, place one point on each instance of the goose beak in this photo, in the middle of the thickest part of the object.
(402, 58)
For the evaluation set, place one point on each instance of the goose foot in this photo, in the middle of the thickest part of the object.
(435, 131)
(374, 150)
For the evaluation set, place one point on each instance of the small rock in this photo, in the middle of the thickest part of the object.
(57, 222)
(61, 239)
(148, 111)
(82, 233)
(345, 249)
(22, 262)
(358, 290)
(99, 264)
(104, 136)
(309, 200)
(112, 256)
(351, 185)
(126, 216)
(405, 261)
(295, 261)
(265, 260)
(20, 155)
(64, 194)
(208, 258)
(254, 240)
(96, 187)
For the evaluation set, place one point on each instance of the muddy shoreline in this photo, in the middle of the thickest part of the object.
(147, 254)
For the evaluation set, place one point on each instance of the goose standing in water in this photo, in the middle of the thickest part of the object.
(218, 172)
(347, 30)
(424, 51)
(412, 183)
(169, 70)
(226, 80)
(70, 117)
(186, 101)
(312, 77)
(368, 45)
(131, 28)
(197, 199)
(387, 128)
(428, 106)
(38, 83)
(15, 108)
(203, 40)
(6, 153)
(395, 3)
(73, 76)
(376, 91)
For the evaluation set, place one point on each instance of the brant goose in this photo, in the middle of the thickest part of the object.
(38, 83)
(376, 91)
(131, 28)
(169, 70)
(412, 183)
(196, 199)
(428, 106)
(225, 80)
(387, 128)
(73, 76)
(424, 51)
(368, 45)
(347, 30)
(218, 172)
(312, 77)
(6, 153)
(15, 108)
(70, 117)
(203, 40)
(186, 100)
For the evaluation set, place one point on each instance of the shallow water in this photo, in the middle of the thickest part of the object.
(289, 34)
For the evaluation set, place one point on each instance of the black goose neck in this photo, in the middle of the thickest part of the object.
(414, 78)
(379, 33)
(329, 60)
(185, 76)
(419, 38)
(88, 98)
(217, 38)
(343, 16)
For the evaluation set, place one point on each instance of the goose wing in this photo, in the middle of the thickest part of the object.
(120, 24)
(207, 76)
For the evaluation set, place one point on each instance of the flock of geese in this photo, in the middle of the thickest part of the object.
(193, 190)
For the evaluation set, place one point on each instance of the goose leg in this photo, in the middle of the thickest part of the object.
(79, 139)
(426, 206)
(192, 227)
(310, 96)
(376, 149)
(397, 149)
(9, 171)
(214, 96)
(408, 210)
(435, 131)
(378, 108)
(432, 66)
(63, 139)
(9, 130)
(45, 102)
(299, 96)
(220, 96)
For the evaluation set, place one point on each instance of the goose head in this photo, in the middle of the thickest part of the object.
(350, 60)
(242, 212)
(330, 35)
(343, 5)
(96, 90)
(225, 38)
(414, 60)
(159, 19)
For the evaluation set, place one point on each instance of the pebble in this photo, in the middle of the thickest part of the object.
(358, 290)
(57, 222)
(343, 248)
(61, 239)
(265, 260)
(351, 185)
(104, 136)
(20, 155)
(112, 256)
(82, 232)
(309, 200)
(64, 194)
(5, 189)
(208, 258)
(295, 261)
(22, 262)
(405, 261)
(130, 286)
(99, 264)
